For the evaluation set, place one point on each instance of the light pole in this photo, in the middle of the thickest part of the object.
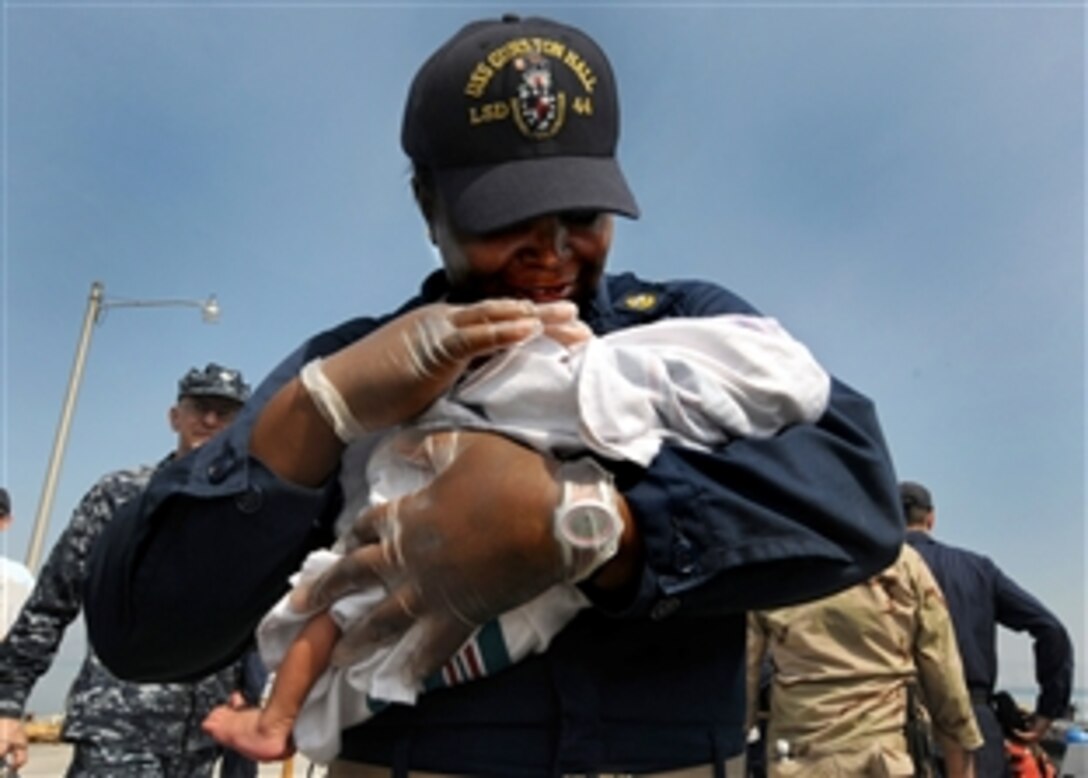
(97, 302)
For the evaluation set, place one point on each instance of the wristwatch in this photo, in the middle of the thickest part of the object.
(587, 524)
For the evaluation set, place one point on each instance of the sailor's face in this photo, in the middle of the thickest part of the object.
(554, 257)
(197, 419)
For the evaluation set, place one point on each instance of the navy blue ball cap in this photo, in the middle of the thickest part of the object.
(517, 118)
(214, 381)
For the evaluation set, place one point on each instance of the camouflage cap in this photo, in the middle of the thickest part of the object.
(214, 381)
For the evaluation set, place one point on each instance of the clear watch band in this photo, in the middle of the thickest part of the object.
(587, 523)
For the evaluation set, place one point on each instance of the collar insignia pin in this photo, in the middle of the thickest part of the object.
(642, 301)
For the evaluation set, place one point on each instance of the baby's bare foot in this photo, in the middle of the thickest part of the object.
(247, 731)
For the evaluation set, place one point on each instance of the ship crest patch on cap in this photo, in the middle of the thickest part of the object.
(540, 111)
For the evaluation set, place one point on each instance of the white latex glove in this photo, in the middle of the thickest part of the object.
(476, 542)
(399, 369)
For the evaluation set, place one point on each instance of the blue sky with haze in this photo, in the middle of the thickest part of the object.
(901, 184)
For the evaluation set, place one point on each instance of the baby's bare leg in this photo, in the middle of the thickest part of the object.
(264, 733)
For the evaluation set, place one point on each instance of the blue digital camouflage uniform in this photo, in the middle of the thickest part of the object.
(119, 729)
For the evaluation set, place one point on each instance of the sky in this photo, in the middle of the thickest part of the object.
(901, 184)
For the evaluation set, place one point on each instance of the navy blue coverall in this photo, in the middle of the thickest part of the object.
(980, 597)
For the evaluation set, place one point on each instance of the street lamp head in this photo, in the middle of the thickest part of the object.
(209, 311)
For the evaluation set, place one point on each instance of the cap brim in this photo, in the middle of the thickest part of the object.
(485, 199)
(213, 393)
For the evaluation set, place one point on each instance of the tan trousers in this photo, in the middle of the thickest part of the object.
(877, 761)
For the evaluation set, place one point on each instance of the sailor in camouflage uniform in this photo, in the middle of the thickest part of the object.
(118, 729)
(841, 669)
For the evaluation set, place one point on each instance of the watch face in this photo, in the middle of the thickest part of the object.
(590, 524)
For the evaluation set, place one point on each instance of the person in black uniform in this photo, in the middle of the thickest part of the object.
(980, 596)
(512, 128)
